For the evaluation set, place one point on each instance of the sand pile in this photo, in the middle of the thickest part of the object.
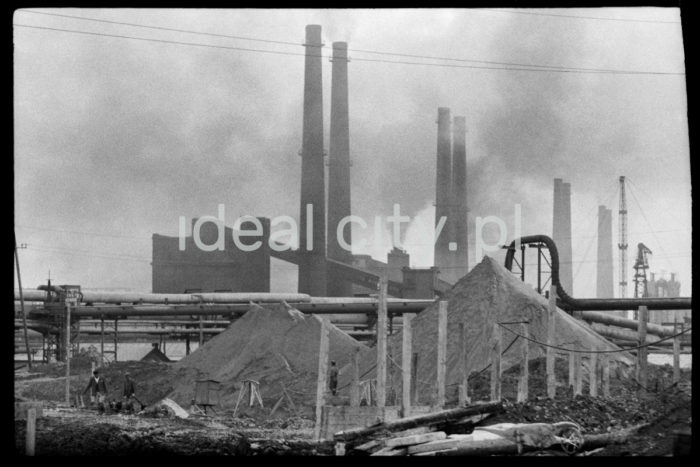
(276, 345)
(488, 293)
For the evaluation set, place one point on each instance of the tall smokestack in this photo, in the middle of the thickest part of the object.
(604, 271)
(459, 230)
(561, 232)
(443, 188)
(312, 264)
(339, 169)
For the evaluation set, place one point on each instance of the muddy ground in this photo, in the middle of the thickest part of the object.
(70, 430)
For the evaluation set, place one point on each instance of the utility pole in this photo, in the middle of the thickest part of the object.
(21, 301)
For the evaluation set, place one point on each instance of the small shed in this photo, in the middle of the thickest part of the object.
(207, 392)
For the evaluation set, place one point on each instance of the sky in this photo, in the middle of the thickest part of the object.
(116, 137)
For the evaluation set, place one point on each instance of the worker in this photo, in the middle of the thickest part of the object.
(98, 390)
(129, 392)
(334, 378)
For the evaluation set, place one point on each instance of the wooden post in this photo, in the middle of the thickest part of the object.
(31, 431)
(496, 364)
(441, 353)
(676, 351)
(116, 338)
(593, 374)
(381, 343)
(414, 379)
(187, 345)
(201, 331)
(464, 376)
(102, 340)
(606, 374)
(355, 385)
(572, 372)
(68, 305)
(321, 385)
(406, 355)
(551, 313)
(523, 382)
(642, 352)
(578, 373)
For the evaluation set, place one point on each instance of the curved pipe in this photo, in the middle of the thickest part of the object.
(571, 303)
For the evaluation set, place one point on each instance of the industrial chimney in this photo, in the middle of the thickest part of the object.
(604, 271)
(443, 189)
(460, 256)
(339, 170)
(561, 232)
(312, 251)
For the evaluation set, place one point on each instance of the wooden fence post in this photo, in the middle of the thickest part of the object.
(31, 431)
(381, 343)
(593, 374)
(406, 355)
(551, 313)
(523, 381)
(606, 374)
(578, 372)
(441, 353)
(355, 385)
(642, 352)
(676, 351)
(322, 375)
(464, 376)
(496, 364)
(414, 379)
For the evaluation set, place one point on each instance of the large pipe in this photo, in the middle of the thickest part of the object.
(136, 297)
(339, 170)
(443, 188)
(569, 303)
(312, 266)
(631, 336)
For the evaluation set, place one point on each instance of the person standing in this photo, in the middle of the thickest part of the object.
(98, 389)
(129, 392)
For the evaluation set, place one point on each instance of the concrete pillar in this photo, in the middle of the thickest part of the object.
(312, 265)
(443, 188)
(339, 169)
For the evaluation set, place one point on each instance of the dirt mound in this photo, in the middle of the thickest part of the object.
(276, 346)
(489, 293)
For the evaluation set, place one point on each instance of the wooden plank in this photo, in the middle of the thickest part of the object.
(30, 442)
(390, 452)
(643, 316)
(412, 431)
(381, 344)
(322, 376)
(551, 313)
(496, 364)
(605, 377)
(572, 372)
(464, 376)
(441, 353)
(676, 350)
(593, 374)
(406, 355)
(443, 416)
(355, 384)
(416, 439)
(524, 380)
(370, 446)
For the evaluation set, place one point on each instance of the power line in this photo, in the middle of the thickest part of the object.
(95, 234)
(444, 65)
(299, 44)
(582, 17)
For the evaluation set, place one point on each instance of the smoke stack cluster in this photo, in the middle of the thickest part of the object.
(339, 169)
(312, 264)
(604, 271)
(451, 246)
(561, 232)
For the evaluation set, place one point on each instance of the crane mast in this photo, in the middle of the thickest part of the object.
(622, 245)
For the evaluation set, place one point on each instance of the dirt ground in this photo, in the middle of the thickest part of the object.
(65, 431)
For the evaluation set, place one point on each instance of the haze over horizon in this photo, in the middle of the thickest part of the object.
(117, 137)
